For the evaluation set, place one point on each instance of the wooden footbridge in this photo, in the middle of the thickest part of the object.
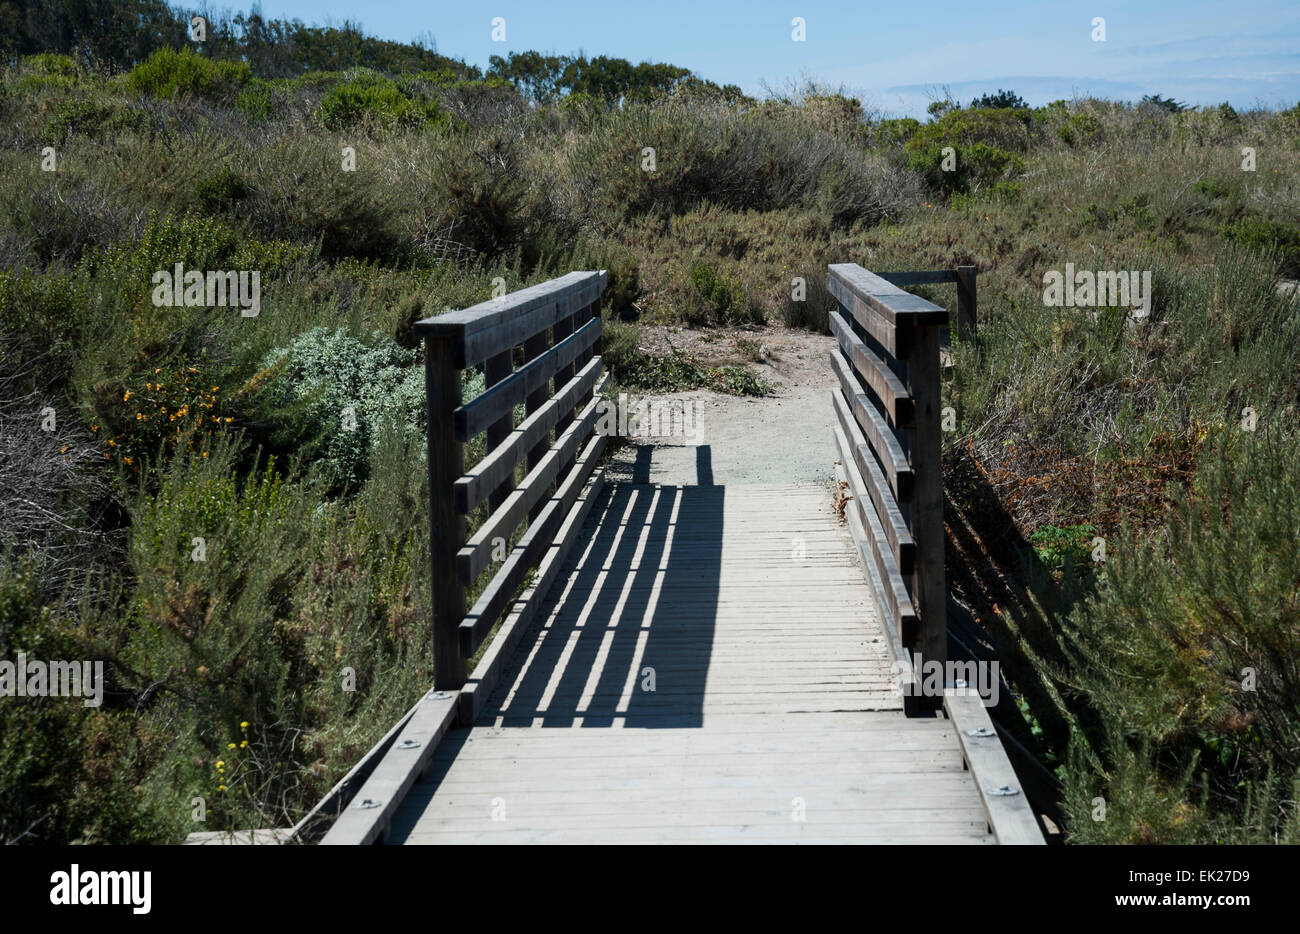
(672, 663)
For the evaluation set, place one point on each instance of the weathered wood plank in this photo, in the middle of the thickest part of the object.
(498, 324)
(474, 416)
(893, 591)
(876, 430)
(875, 374)
(901, 661)
(929, 586)
(920, 277)
(500, 591)
(483, 680)
(877, 487)
(499, 463)
(476, 555)
(446, 462)
(366, 819)
(1009, 815)
(884, 298)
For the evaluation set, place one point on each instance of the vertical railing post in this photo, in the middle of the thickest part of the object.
(442, 384)
(929, 589)
(565, 326)
(496, 368)
(966, 302)
(534, 347)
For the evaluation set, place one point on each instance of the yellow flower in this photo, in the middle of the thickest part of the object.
(243, 744)
(230, 745)
(221, 788)
(127, 461)
(126, 395)
(205, 453)
(138, 416)
(112, 443)
(243, 725)
(221, 763)
(229, 419)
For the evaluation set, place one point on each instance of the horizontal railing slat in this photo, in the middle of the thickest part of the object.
(876, 430)
(902, 612)
(926, 277)
(885, 298)
(904, 672)
(474, 695)
(1008, 813)
(877, 375)
(499, 463)
(882, 499)
(474, 416)
(500, 592)
(498, 324)
(477, 552)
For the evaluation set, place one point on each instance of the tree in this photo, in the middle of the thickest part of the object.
(1003, 100)
(1167, 104)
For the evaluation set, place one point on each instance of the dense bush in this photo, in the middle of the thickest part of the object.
(354, 393)
(167, 73)
(985, 146)
(1283, 240)
(368, 98)
(1200, 666)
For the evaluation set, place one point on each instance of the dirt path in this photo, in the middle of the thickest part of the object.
(782, 438)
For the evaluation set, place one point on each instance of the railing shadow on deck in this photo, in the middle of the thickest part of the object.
(632, 636)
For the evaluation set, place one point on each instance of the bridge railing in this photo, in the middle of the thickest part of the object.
(539, 348)
(555, 329)
(888, 435)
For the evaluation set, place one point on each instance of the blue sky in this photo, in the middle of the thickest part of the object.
(895, 55)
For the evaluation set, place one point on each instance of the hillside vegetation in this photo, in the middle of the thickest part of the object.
(203, 520)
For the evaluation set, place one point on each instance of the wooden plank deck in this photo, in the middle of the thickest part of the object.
(772, 719)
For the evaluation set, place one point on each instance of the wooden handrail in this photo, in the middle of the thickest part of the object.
(887, 433)
(963, 276)
(558, 325)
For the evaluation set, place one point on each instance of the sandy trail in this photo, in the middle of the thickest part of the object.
(782, 438)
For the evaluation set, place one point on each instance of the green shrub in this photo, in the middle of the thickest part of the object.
(375, 100)
(68, 773)
(1269, 236)
(679, 371)
(899, 131)
(1080, 127)
(1199, 665)
(711, 297)
(91, 117)
(221, 191)
(986, 144)
(168, 72)
(353, 392)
